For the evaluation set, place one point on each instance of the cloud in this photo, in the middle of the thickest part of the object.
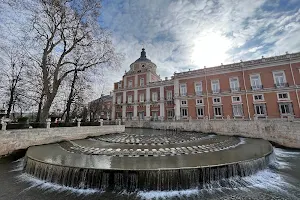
(181, 35)
(189, 34)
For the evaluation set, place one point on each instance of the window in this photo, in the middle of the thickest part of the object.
(119, 85)
(154, 114)
(200, 112)
(170, 113)
(183, 89)
(218, 111)
(216, 100)
(119, 99)
(129, 115)
(279, 79)
(234, 84)
(285, 108)
(260, 109)
(141, 115)
(184, 102)
(258, 97)
(169, 95)
(237, 110)
(130, 84)
(215, 86)
(283, 96)
(130, 99)
(199, 101)
(236, 99)
(184, 112)
(154, 96)
(255, 82)
(142, 82)
(141, 97)
(198, 88)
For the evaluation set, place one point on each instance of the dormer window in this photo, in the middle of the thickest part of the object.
(142, 82)
(143, 65)
(130, 84)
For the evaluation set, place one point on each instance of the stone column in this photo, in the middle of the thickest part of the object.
(148, 77)
(148, 99)
(124, 112)
(78, 122)
(177, 109)
(124, 106)
(162, 102)
(176, 99)
(113, 108)
(135, 105)
(48, 123)
(101, 122)
(135, 117)
(136, 80)
(125, 82)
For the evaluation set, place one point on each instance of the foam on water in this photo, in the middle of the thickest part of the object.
(281, 155)
(18, 165)
(265, 180)
(50, 187)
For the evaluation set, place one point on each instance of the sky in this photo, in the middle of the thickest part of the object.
(179, 35)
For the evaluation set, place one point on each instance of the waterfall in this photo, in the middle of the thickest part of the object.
(146, 180)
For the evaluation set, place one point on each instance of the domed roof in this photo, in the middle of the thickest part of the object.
(143, 57)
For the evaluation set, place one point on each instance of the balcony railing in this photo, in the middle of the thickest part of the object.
(199, 93)
(257, 87)
(216, 91)
(235, 89)
(183, 94)
(281, 85)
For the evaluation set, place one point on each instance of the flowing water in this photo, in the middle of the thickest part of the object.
(281, 180)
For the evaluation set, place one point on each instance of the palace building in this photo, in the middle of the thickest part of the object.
(262, 88)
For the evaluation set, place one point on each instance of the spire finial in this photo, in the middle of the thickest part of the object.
(143, 53)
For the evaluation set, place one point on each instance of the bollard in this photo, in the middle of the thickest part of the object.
(290, 118)
(101, 122)
(48, 123)
(255, 118)
(4, 124)
(78, 122)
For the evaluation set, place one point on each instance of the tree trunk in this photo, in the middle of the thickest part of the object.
(70, 98)
(45, 111)
(11, 102)
(38, 116)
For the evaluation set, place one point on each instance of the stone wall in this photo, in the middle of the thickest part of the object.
(12, 140)
(281, 132)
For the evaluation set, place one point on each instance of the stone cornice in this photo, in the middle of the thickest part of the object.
(246, 65)
(149, 85)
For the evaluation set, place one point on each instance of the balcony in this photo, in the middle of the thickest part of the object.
(199, 93)
(216, 91)
(281, 85)
(183, 94)
(257, 87)
(235, 89)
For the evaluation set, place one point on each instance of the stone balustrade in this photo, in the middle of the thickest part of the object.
(283, 132)
(12, 140)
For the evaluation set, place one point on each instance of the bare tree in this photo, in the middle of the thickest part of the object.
(64, 27)
(12, 77)
(53, 31)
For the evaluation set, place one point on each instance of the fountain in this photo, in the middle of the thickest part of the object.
(162, 160)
